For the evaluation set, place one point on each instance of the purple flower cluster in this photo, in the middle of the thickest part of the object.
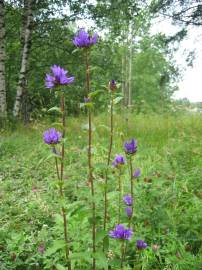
(87, 99)
(130, 147)
(112, 85)
(57, 78)
(136, 173)
(140, 244)
(119, 160)
(129, 211)
(128, 200)
(52, 136)
(84, 40)
(121, 232)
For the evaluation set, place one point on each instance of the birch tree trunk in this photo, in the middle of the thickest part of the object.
(123, 85)
(26, 40)
(130, 60)
(3, 107)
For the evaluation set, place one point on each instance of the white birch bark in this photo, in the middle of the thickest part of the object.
(3, 107)
(123, 78)
(130, 62)
(22, 81)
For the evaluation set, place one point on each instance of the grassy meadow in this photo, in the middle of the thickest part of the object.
(167, 208)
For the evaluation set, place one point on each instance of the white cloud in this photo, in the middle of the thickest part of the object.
(190, 86)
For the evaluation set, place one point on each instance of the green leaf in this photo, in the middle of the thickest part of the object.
(106, 243)
(117, 100)
(57, 244)
(101, 166)
(101, 259)
(84, 256)
(82, 105)
(100, 235)
(75, 50)
(55, 109)
(58, 219)
(57, 124)
(60, 267)
(44, 159)
(95, 93)
(86, 126)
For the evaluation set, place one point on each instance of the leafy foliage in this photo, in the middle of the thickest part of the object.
(167, 196)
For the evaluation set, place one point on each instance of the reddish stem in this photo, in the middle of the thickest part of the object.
(62, 107)
(90, 168)
(108, 160)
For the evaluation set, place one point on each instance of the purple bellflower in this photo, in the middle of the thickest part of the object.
(84, 40)
(57, 78)
(121, 232)
(130, 147)
(87, 99)
(119, 160)
(129, 211)
(52, 136)
(136, 173)
(112, 85)
(140, 244)
(128, 200)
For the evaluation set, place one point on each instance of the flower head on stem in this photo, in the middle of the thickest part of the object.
(57, 78)
(112, 85)
(129, 211)
(84, 40)
(128, 200)
(120, 232)
(140, 244)
(131, 147)
(52, 136)
(137, 173)
(118, 161)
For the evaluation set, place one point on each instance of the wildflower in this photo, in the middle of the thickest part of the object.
(131, 147)
(112, 85)
(87, 100)
(84, 40)
(52, 136)
(121, 232)
(155, 247)
(41, 249)
(178, 255)
(140, 244)
(128, 200)
(136, 173)
(34, 189)
(119, 160)
(57, 78)
(129, 211)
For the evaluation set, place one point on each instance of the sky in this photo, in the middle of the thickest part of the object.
(190, 85)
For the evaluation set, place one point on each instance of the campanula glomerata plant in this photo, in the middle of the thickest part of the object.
(58, 80)
(85, 41)
(112, 88)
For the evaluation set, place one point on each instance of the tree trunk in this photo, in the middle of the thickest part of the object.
(130, 60)
(123, 85)
(3, 107)
(26, 40)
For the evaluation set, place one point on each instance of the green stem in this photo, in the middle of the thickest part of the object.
(122, 254)
(108, 160)
(131, 186)
(120, 195)
(90, 167)
(61, 183)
